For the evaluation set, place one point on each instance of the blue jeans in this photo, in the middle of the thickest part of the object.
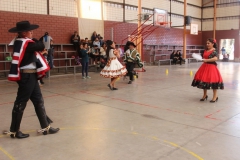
(84, 68)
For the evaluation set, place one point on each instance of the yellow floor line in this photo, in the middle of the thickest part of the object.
(114, 130)
(6, 153)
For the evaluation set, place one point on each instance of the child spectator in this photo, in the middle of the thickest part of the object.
(95, 55)
(79, 56)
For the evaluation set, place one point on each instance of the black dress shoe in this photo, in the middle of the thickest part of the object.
(51, 131)
(114, 88)
(19, 135)
(130, 82)
(41, 81)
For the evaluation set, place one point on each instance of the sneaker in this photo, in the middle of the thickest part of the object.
(83, 77)
(88, 77)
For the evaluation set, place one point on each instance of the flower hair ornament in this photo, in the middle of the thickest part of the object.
(214, 41)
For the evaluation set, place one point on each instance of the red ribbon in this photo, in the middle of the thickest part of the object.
(214, 41)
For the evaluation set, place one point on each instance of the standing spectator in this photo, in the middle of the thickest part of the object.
(85, 60)
(94, 36)
(75, 39)
(50, 55)
(46, 39)
(223, 50)
(45, 55)
(225, 56)
(79, 55)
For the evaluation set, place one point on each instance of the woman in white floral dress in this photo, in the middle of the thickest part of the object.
(114, 68)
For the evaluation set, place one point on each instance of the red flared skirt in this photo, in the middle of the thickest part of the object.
(208, 77)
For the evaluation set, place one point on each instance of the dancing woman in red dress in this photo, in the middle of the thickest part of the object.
(208, 76)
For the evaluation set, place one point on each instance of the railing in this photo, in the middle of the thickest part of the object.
(63, 55)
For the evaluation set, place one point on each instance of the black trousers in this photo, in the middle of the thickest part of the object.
(76, 46)
(175, 60)
(28, 88)
(130, 67)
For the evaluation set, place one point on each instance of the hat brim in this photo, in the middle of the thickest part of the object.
(31, 27)
(132, 44)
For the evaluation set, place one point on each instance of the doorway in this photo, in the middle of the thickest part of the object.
(226, 49)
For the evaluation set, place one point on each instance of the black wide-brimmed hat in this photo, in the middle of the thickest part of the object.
(23, 26)
(131, 44)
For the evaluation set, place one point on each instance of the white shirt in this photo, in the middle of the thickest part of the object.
(47, 42)
(29, 66)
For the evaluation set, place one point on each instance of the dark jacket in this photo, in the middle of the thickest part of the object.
(85, 57)
(29, 55)
(72, 37)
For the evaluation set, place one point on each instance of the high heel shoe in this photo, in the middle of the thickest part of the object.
(110, 87)
(203, 99)
(212, 101)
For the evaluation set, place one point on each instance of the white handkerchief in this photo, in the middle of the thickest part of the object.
(197, 56)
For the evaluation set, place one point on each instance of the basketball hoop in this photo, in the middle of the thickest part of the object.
(165, 24)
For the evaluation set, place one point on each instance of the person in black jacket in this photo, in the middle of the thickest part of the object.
(75, 39)
(179, 57)
(26, 72)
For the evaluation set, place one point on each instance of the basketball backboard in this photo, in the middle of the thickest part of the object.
(160, 17)
(194, 29)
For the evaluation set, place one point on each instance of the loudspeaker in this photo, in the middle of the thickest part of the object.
(187, 20)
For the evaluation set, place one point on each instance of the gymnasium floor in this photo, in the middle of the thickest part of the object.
(158, 117)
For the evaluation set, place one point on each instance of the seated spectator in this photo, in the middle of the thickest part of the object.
(94, 54)
(103, 55)
(101, 40)
(75, 40)
(176, 56)
(96, 42)
(103, 51)
(179, 57)
(88, 42)
(173, 56)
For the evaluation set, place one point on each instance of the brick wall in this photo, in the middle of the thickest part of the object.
(225, 34)
(60, 28)
(159, 36)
